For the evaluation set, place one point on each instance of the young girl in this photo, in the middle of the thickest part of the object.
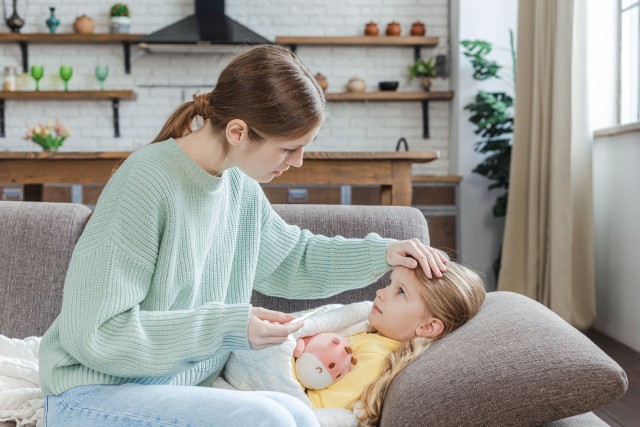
(408, 315)
(158, 289)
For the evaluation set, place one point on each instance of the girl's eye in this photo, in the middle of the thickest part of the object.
(401, 291)
(286, 150)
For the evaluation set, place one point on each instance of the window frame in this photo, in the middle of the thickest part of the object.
(634, 4)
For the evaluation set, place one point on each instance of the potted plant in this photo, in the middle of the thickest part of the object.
(426, 70)
(120, 20)
(492, 113)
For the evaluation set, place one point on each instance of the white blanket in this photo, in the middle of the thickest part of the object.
(21, 399)
(271, 368)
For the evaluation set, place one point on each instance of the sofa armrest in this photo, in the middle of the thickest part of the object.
(395, 222)
(515, 363)
(36, 244)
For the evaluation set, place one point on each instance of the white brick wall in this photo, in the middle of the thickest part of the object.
(161, 81)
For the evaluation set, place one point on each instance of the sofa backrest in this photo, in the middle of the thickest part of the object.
(36, 243)
(37, 240)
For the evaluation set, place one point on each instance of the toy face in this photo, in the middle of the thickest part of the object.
(326, 359)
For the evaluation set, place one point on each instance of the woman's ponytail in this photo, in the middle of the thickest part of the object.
(180, 122)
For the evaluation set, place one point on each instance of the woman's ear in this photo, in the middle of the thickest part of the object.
(236, 132)
(432, 328)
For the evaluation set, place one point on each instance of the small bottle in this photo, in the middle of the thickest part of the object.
(9, 82)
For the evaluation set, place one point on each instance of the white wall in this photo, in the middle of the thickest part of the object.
(163, 80)
(617, 233)
(488, 20)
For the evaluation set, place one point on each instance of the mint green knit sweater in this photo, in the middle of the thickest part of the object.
(159, 285)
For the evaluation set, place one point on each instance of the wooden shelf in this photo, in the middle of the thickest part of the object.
(417, 42)
(389, 96)
(437, 179)
(392, 96)
(24, 39)
(68, 38)
(110, 95)
(72, 94)
(360, 41)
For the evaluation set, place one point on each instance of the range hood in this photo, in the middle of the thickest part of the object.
(208, 30)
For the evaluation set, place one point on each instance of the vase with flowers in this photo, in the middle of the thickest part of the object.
(49, 136)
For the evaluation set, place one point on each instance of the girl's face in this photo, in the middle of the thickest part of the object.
(398, 311)
(269, 159)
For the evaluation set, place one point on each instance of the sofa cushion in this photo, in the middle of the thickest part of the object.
(36, 243)
(515, 363)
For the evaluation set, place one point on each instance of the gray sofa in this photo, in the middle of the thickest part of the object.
(516, 363)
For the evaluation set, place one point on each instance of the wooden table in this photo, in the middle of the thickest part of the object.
(390, 170)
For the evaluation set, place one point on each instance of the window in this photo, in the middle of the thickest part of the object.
(629, 61)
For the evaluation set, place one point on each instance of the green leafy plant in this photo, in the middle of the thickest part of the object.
(422, 68)
(492, 114)
(119, 9)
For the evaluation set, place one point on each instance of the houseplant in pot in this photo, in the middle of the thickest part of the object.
(120, 19)
(492, 112)
(426, 70)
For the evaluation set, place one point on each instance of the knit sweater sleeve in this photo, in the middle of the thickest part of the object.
(103, 323)
(295, 263)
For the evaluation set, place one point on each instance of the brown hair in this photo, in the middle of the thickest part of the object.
(268, 87)
(453, 298)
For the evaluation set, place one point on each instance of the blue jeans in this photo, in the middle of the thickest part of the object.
(172, 405)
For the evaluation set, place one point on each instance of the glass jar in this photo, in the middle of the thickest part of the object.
(9, 82)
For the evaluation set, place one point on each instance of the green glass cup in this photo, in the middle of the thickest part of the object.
(102, 72)
(66, 72)
(37, 72)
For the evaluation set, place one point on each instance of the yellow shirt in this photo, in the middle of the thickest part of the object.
(371, 350)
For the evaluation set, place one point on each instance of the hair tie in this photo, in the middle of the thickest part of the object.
(200, 103)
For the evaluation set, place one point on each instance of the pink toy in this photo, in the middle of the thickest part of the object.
(322, 359)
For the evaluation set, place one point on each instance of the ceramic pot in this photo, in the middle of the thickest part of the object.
(356, 85)
(120, 24)
(322, 81)
(371, 29)
(84, 25)
(393, 28)
(425, 82)
(52, 22)
(418, 29)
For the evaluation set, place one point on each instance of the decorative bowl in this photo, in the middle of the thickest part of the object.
(388, 85)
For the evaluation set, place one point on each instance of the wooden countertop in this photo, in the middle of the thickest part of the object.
(414, 156)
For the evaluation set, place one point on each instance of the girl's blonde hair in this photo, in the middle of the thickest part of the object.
(453, 298)
(267, 87)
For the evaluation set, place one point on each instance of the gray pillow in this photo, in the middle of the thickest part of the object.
(515, 363)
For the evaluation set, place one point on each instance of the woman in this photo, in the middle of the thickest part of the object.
(158, 288)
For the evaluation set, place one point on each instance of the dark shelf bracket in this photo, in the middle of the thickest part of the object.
(115, 105)
(416, 52)
(127, 57)
(294, 48)
(425, 119)
(24, 48)
(2, 134)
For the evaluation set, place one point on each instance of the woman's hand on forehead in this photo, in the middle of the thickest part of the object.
(411, 253)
